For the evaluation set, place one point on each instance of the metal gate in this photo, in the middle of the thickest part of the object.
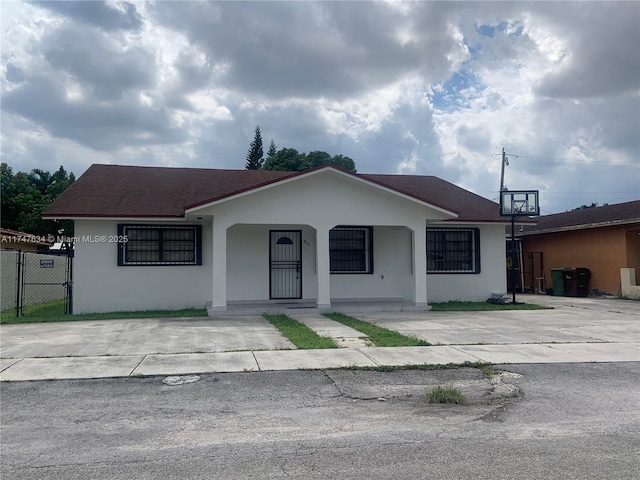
(528, 269)
(533, 273)
(44, 284)
(285, 264)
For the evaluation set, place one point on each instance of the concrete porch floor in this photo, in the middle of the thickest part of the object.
(298, 308)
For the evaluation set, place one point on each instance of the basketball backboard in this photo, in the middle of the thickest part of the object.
(519, 203)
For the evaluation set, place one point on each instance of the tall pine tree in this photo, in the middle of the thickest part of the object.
(272, 149)
(254, 155)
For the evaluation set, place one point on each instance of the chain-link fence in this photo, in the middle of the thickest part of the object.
(36, 284)
(9, 279)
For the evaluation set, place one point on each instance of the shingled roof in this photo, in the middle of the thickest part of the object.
(607, 215)
(161, 192)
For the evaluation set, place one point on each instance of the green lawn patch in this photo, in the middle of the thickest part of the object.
(54, 312)
(54, 308)
(445, 394)
(298, 333)
(380, 337)
(455, 306)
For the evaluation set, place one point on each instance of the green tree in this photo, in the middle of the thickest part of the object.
(24, 197)
(254, 155)
(344, 162)
(289, 159)
(593, 205)
(286, 159)
(272, 149)
(317, 158)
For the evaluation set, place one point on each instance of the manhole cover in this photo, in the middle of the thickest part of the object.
(180, 380)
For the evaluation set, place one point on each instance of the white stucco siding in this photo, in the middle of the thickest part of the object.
(248, 262)
(475, 287)
(392, 270)
(100, 285)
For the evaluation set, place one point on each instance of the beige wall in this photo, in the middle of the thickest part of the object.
(22, 246)
(604, 251)
(633, 252)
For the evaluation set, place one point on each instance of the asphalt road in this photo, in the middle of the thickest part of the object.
(569, 421)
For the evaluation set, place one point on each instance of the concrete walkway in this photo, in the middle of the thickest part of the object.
(198, 363)
(577, 330)
(345, 337)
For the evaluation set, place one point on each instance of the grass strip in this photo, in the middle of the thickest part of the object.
(380, 337)
(52, 312)
(455, 306)
(298, 333)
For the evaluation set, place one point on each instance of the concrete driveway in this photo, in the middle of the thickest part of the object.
(573, 320)
(577, 330)
(140, 337)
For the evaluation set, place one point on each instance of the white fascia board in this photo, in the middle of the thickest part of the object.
(316, 172)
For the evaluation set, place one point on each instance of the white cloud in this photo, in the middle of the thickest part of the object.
(412, 87)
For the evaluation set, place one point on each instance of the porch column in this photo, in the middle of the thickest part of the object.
(419, 253)
(322, 256)
(219, 268)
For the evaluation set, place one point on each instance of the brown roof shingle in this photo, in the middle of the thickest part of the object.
(130, 191)
(619, 213)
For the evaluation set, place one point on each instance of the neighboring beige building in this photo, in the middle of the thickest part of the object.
(27, 242)
(168, 238)
(603, 239)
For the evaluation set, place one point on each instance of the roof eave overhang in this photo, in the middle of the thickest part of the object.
(154, 218)
(614, 223)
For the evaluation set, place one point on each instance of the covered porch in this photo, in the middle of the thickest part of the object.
(303, 268)
(319, 239)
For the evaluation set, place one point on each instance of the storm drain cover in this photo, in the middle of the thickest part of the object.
(180, 380)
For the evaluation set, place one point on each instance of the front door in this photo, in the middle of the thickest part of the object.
(285, 264)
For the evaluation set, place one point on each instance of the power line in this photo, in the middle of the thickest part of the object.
(584, 162)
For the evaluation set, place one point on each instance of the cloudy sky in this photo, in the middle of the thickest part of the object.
(427, 88)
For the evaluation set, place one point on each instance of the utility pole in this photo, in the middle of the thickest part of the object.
(512, 251)
(505, 161)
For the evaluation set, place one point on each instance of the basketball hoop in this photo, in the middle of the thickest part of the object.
(514, 204)
(519, 203)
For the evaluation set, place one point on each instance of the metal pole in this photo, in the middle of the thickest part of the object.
(18, 282)
(70, 255)
(502, 172)
(513, 242)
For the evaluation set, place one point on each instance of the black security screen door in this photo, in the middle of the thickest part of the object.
(285, 264)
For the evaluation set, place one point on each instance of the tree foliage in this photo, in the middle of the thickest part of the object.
(289, 159)
(593, 205)
(272, 149)
(255, 154)
(24, 197)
